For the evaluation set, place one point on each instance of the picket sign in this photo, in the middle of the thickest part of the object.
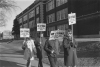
(41, 27)
(24, 32)
(72, 20)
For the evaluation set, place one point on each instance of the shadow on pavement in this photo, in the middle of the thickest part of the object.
(4, 63)
(10, 64)
(11, 51)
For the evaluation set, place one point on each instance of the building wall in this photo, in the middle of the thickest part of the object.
(32, 17)
(54, 15)
(59, 20)
(87, 13)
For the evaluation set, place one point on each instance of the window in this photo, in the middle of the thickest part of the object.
(62, 14)
(60, 2)
(37, 20)
(57, 2)
(33, 23)
(50, 29)
(25, 18)
(62, 27)
(66, 13)
(50, 5)
(51, 18)
(32, 14)
(20, 20)
(58, 15)
(30, 24)
(37, 10)
(25, 25)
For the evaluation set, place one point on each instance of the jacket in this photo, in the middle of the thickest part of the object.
(51, 45)
(40, 47)
(28, 53)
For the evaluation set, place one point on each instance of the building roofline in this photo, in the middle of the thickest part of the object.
(29, 7)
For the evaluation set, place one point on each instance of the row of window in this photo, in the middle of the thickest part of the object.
(50, 4)
(31, 14)
(31, 23)
(50, 18)
(62, 14)
(60, 2)
(60, 27)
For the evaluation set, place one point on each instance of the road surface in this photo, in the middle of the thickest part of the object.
(11, 55)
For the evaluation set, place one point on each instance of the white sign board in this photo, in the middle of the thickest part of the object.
(41, 27)
(24, 32)
(57, 34)
(72, 18)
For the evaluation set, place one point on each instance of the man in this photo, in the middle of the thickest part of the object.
(70, 55)
(52, 49)
(65, 46)
(40, 49)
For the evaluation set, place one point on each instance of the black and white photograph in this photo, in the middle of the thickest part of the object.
(49, 33)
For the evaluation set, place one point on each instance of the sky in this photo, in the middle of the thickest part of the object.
(22, 4)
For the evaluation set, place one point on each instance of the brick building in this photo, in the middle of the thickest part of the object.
(55, 14)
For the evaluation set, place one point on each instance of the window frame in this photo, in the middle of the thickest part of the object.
(37, 10)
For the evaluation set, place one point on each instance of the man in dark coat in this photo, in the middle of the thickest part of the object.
(70, 55)
(65, 46)
(40, 49)
(52, 49)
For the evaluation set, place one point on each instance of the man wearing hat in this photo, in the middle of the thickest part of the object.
(51, 48)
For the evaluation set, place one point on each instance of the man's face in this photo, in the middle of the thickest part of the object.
(70, 35)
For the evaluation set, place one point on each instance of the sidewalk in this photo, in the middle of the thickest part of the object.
(11, 60)
(11, 57)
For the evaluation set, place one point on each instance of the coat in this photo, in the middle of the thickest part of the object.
(51, 45)
(70, 55)
(29, 51)
(40, 47)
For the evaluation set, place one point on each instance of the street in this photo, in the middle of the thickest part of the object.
(11, 55)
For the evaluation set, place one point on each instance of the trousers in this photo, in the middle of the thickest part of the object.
(40, 64)
(53, 61)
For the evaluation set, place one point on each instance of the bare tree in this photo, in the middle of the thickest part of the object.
(6, 6)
